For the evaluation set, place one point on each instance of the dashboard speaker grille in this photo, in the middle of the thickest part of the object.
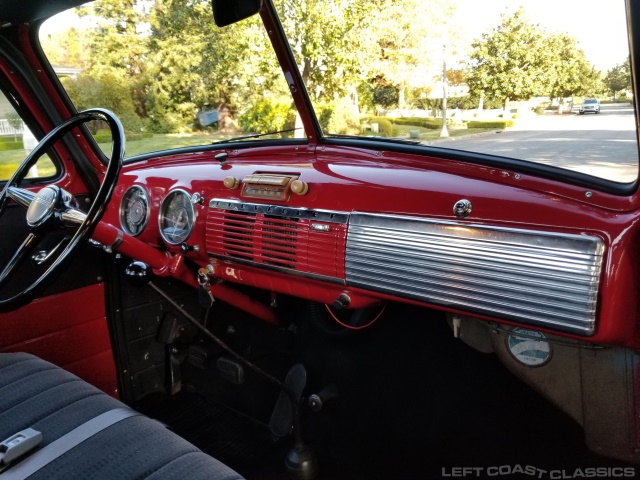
(543, 279)
(280, 237)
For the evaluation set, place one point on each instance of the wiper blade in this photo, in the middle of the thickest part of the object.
(256, 135)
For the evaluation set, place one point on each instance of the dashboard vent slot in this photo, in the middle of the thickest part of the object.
(294, 239)
(238, 230)
(278, 242)
(539, 278)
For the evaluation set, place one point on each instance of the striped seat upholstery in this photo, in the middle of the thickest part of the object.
(37, 394)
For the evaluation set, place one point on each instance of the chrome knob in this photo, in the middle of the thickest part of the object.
(462, 208)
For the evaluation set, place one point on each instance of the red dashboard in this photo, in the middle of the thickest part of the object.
(371, 226)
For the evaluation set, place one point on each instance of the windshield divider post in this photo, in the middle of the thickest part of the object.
(291, 73)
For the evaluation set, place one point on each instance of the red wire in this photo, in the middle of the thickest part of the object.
(355, 328)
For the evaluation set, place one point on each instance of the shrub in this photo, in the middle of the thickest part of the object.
(345, 118)
(490, 124)
(385, 127)
(429, 123)
(267, 115)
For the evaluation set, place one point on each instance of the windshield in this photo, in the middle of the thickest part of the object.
(170, 74)
(453, 73)
(450, 74)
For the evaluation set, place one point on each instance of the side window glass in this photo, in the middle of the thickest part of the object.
(16, 142)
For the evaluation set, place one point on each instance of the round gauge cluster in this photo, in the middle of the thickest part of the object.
(134, 210)
(176, 217)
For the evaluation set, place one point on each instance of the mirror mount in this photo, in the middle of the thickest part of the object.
(226, 12)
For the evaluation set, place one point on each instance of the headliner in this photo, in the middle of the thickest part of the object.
(20, 11)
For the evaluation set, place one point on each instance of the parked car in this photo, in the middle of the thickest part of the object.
(207, 235)
(589, 105)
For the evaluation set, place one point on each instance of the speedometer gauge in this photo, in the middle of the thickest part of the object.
(134, 210)
(176, 217)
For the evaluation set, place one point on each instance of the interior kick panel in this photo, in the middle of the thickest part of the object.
(68, 329)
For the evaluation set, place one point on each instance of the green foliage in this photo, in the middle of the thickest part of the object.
(385, 127)
(267, 115)
(385, 96)
(430, 123)
(570, 72)
(106, 91)
(329, 68)
(402, 31)
(344, 118)
(510, 62)
(618, 78)
(490, 124)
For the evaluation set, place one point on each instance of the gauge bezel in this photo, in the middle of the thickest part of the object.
(164, 204)
(122, 211)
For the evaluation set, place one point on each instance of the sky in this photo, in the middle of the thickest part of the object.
(599, 26)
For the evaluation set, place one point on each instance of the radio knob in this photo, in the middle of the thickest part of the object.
(231, 182)
(299, 187)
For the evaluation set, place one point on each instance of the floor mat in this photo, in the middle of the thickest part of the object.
(222, 433)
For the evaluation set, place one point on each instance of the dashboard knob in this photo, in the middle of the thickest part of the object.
(222, 157)
(299, 187)
(138, 273)
(231, 182)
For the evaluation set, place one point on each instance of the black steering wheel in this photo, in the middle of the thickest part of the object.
(52, 208)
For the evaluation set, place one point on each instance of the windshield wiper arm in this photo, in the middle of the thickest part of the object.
(256, 135)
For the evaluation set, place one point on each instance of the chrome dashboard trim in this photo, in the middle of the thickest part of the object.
(281, 211)
(532, 277)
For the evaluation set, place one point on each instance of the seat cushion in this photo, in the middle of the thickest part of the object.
(37, 394)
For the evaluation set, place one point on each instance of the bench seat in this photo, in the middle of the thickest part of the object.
(37, 394)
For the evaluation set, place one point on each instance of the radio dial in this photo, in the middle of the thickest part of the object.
(231, 182)
(299, 187)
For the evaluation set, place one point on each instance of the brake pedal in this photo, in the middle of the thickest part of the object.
(282, 416)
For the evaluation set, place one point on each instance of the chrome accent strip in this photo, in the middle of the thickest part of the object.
(21, 196)
(280, 211)
(288, 271)
(539, 278)
(73, 217)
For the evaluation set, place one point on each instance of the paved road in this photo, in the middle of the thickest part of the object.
(604, 145)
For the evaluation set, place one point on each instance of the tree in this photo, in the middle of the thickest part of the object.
(618, 78)
(570, 72)
(329, 43)
(510, 62)
(197, 65)
(69, 48)
(119, 46)
(403, 30)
